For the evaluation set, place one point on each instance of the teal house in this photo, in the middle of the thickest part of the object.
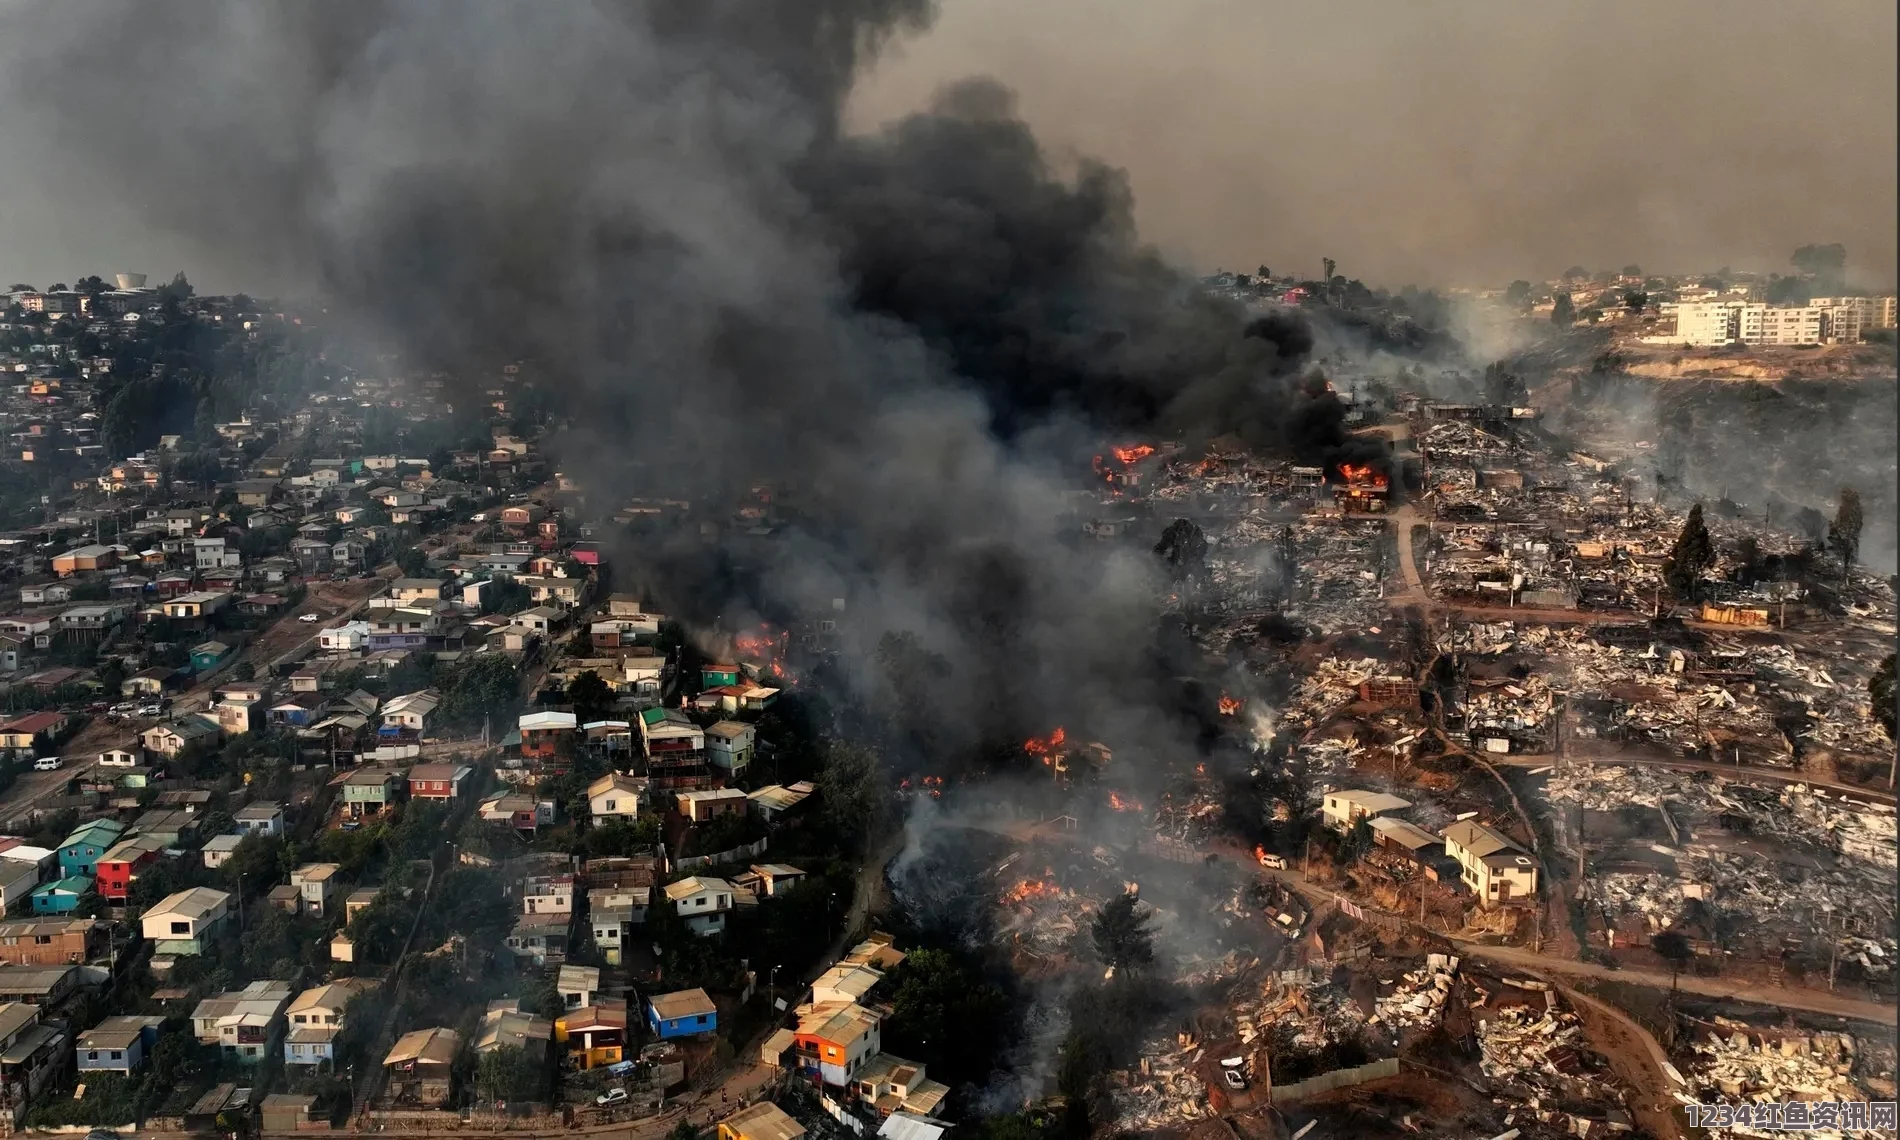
(61, 896)
(79, 852)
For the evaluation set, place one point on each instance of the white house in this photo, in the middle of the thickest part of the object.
(1343, 809)
(218, 849)
(702, 901)
(1495, 868)
(729, 745)
(260, 819)
(615, 796)
(412, 711)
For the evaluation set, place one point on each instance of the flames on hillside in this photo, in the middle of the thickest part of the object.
(1030, 890)
(1126, 456)
(1048, 747)
(1361, 475)
(1119, 802)
(1231, 706)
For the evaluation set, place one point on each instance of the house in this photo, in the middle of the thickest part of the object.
(245, 1024)
(169, 739)
(79, 852)
(368, 791)
(1342, 810)
(418, 1065)
(506, 1025)
(438, 781)
(215, 552)
(32, 1053)
(834, 1041)
(615, 796)
(1407, 840)
(206, 654)
(707, 804)
(541, 619)
(702, 901)
(61, 896)
(713, 676)
(85, 559)
(50, 594)
(547, 894)
(43, 986)
(844, 983)
(890, 1084)
(357, 901)
(315, 1017)
(729, 746)
(119, 758)
(346, 638)
(668, 734)
(1495, 868)
(595, 1034)
(118, 1044)
(610, 736)
(150, 682)
(518, 810)
(761, 1121)
(778, 878)
(52, 942)
(544, 733)
(412, 712)
(261, 819)
(683, 1013)
(416, 591)
(196, 606)
(541, 938)
(315, 883)
(774, 802)
(17, 881)
(218, 850)
(169, 826)
(26, 733)
(185, 922)
(119, 866)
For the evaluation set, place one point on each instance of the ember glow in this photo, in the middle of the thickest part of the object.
(1046, 746)
(1028, 890)
(1132, 455)
(1260, 854)
(1117, 802)
(1231, 706)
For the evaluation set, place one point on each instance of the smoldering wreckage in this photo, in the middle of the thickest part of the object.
(1441, 614)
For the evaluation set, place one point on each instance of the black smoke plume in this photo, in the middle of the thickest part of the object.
(912, 333)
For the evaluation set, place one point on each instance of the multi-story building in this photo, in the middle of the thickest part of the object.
(1496, 869)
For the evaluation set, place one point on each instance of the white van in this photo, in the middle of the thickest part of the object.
(48, 764)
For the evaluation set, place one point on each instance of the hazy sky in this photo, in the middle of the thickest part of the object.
(1456, 141)
(1451, 142)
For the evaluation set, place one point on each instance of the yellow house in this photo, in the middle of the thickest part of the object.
(594, 1035)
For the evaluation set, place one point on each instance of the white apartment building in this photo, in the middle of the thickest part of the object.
(1850, 319)
(1710, 323)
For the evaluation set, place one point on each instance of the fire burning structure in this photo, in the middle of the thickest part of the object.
(1361, 489)
(1128, 476)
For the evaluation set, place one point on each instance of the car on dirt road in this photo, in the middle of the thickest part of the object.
(610, 1097)
(309, 617)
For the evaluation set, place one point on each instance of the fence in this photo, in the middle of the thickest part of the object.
(1337, 1079)
(749, 851)
(840, 1114)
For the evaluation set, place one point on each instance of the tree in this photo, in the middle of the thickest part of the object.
(1184, 548)
(413, 562)
(1715, 283)
(485, 690)
(946, 1015)
(510, 1073)
(1632, 270)
(590, 696)
(1822, 262)
(1264, 273)
(1123, 934)
(1576, 273)
(1518, 293)
(1635, 299)
(1673, 948)
(1563, 311)
(1843, 534)
(1693, 553)
(1880, 691)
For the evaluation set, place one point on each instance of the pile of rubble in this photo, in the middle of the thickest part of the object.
(1299, 1011)
(1419, 999)
(1163, 1091)
(1732, 1064)
(1540, 1061)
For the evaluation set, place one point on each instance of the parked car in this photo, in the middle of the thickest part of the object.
(611, 1096)
(48, 764)
(309, 617)
(152, 708)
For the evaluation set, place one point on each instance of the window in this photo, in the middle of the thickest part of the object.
(92, 1054)
(118, 1055)
(702, 1019)
(42, 940)
(181, 928)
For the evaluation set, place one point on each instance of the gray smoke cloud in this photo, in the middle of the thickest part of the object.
(912, 332)
(1457, 143)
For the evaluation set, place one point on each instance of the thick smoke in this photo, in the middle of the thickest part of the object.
(908, 334)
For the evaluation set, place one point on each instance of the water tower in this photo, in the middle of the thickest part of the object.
(129, 280)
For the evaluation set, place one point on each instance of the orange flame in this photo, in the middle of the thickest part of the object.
(1047, 746)
(934, 785)
(1260, 854)
(1132, 455)
(1230, 706)
(1117, 803)
(1028, 889)
(1362, 474)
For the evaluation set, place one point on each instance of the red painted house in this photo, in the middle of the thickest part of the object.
(544, 733)
(119, 866)
(437, 781)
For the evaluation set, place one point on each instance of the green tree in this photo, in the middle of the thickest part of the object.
(1693, 553)
(1123, 934)
(1632, 270)
(510, 1073)
(487, 689)
(1563, 312)
(1635, 299)
(1518, 294)
(945, 1015)
(1824, 263)
(590, 696)
(1843, 534)
(1576, 273)
(1881, 692)
(413, 562)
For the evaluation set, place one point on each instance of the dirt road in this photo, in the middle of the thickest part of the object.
(1635, 1056)
(1787, 997)
(1732, 771)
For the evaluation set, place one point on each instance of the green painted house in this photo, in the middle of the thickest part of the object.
(369, 791)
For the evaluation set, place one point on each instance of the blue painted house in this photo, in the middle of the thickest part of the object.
(118, 1044)
(683, 1013)
(715, 676)
(79, 852)
(61, 896)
